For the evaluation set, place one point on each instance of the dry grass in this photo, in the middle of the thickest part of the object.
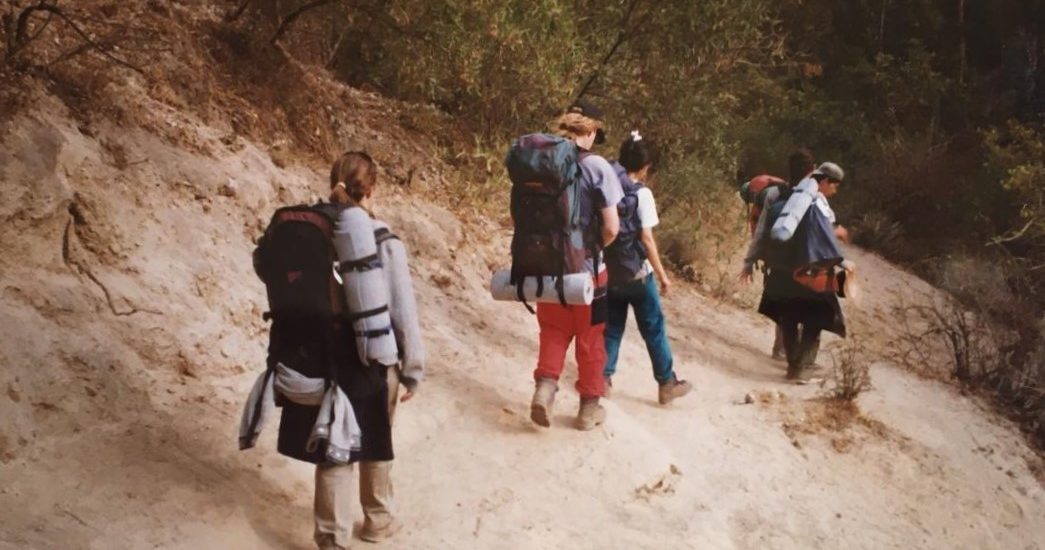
(841, 423)
(852, 375)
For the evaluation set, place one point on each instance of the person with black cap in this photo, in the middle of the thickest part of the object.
(600, 191)
(586, 109)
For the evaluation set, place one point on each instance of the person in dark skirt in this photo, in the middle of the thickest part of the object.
(803, 312)
(371, 390)
(800, 165)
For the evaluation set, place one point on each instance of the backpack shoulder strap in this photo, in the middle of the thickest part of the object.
(383, 234)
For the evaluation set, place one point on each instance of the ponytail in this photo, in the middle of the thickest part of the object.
(352, 178)
(339, 194)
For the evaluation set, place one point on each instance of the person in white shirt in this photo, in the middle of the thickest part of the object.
(633, 261)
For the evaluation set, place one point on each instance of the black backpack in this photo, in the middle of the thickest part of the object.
(626, 254)
(545, 207)
(295, 259)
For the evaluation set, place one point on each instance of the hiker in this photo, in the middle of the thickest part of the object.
(800, 164)
(634, 267)
(798, 263)
(308, 352)
(595, 225)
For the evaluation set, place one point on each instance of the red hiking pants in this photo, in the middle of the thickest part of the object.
(559, 325)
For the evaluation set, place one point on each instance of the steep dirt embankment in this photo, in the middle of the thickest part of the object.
(131, 332)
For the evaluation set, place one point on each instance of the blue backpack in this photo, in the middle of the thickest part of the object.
(626, 254)
(814, 242)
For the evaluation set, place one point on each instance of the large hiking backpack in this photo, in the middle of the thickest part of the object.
(754, 192)
(626, 255)
(295, 259)
(811, 253)
(549, 239)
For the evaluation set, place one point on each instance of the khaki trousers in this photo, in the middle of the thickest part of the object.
(332, 505)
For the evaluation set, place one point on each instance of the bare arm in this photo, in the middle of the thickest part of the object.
(754, 249)
(610, 225)
(653, 255)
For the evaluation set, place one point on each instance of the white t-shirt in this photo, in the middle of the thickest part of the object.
(647, 208)
(647, 212)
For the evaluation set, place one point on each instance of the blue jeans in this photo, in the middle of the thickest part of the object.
(643, 296)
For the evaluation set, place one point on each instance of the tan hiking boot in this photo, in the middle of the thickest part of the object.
(370, 533)
(591, 414)
(673, 390)
(541, 405)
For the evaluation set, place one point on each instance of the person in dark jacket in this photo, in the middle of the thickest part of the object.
(372, 390)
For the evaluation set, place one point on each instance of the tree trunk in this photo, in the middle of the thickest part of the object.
(961, 47)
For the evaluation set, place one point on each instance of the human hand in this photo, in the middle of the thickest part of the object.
(665, 285)
(406, 396)
(842, 234)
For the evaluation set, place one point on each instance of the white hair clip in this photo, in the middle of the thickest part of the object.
(341, 184)
(635, 136)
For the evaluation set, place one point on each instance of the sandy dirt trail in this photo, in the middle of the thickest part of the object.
(132, 333)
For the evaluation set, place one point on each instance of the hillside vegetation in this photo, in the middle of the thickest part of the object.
(144, 144)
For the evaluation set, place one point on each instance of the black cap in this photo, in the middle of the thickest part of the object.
(585, 108)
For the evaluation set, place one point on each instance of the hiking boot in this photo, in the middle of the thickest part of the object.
(541, 405)
(672, 390)
(371, 534)
(591, 414)
(607, 386)
(803, 375)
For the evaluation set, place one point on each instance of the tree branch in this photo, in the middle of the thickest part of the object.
(236, 13)
(1013, 236)
(622, 36)
(287, 20)
(23, 21)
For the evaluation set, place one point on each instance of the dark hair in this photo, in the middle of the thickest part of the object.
(799, 164)
(636, 152)
(357, 171)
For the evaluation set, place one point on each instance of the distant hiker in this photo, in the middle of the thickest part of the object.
(338, 352)
(760, 195)
(803, 256)
(632, 262)
(564, 208)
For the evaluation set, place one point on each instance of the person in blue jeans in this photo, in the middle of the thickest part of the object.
(634, 266)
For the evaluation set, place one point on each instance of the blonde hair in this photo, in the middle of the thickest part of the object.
(574, 125)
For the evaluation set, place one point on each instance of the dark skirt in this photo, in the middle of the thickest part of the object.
(315, 353)
(783, 298)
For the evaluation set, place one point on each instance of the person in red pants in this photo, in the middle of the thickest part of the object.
(598, 195)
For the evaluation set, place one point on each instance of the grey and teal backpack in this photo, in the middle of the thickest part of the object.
(549, 239)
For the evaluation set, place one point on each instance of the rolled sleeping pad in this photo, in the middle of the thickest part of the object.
(366, 291)
(794, 210)
(579, 289)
